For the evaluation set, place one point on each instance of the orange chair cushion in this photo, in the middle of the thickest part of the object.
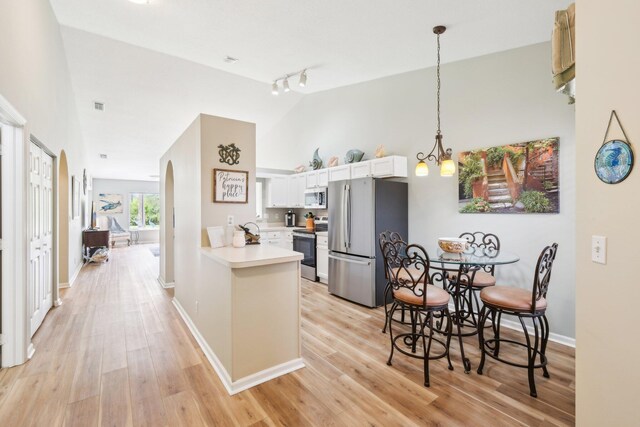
(510, 298)
(482, 279)
(436, 297)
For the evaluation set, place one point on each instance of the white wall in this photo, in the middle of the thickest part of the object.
(193, 156)
(487, 101)
(126, 187)
(34, 78)
(607, 378)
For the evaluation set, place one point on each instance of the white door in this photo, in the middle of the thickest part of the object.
(40, 236)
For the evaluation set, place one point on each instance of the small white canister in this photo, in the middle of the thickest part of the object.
(238, 239)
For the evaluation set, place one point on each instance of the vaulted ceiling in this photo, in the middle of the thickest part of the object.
(158, 65)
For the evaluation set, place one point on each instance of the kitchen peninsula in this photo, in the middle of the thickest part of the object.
(249, 313)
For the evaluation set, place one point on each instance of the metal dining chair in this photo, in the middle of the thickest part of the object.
(396, 239)
(410, 286)
(523, 304)
(480, 277)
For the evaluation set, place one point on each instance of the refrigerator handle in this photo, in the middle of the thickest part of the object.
(352, 261)
(344, 215)
(348, 188)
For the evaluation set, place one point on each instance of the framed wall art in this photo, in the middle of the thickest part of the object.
(230, 186)
(110, 203)
(614, 160)
(516, 178)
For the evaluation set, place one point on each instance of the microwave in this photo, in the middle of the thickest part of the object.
(315, 198)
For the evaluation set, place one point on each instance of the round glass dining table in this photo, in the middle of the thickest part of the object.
(472, 257)
(450, 267)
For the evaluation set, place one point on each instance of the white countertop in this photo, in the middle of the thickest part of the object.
(322, 233)
(251, 255)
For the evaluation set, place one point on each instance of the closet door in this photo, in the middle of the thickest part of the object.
(40, 235)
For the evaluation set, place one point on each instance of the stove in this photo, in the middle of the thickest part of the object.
(304, 241)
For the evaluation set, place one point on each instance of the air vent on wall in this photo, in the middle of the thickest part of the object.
(103, 156)
(99, 106)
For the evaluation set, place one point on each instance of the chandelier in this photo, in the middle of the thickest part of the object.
(438, 154)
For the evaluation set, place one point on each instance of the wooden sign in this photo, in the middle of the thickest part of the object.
(230, 186)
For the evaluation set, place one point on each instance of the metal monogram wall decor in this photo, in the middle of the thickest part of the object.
(229, 154)
(230, 186)
(614, 160)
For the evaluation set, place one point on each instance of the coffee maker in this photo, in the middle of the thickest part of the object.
(290, 219)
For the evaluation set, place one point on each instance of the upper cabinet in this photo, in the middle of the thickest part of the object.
(360, 169)
(318, 178)
(340, 173)
(277, 194)
(287, 191)
(389, 166)
(295, 191)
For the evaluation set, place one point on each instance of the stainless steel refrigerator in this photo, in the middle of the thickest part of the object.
(359, 210)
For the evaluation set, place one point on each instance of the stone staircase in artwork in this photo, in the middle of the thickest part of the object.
(545, 172)
(499, 196)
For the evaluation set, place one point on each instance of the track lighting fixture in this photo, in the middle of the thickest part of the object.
(285, 81)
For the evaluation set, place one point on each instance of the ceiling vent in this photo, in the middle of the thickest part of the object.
(230, 59)
(99, 106)
(103, 156)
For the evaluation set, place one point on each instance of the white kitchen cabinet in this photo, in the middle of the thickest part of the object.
(287, 240)
(295, 191)
(360, 170)
(389, 166)
(318, 178)
(312, 179)
(322, 258)
(323, 177)
(339, 173)
(278, 192)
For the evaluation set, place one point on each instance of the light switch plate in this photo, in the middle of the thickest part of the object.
(599, 249)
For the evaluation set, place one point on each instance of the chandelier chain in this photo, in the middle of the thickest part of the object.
(438, 79)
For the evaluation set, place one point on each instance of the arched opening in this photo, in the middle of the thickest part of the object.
(169, 221)
(63, 221)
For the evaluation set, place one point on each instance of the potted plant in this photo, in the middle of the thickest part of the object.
(310, 224)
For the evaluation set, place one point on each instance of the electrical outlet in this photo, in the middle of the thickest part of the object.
(230, 220)
(599, 249)
(277, 215)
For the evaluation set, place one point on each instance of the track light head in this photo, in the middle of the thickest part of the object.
(285, 85)
(303, 78)
(274, 88)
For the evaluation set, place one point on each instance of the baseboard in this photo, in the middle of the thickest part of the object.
(242, 384)
(73, 278)
(557, 338)
(166, 285)
(510, 324)
(31, 350)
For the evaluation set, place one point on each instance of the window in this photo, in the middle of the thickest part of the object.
(259, 199)
(144, 210)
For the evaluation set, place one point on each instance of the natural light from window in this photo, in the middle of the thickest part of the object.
(144, 210)
(258, 200)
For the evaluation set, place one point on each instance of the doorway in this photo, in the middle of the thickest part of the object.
(40, 223)
(63, 221)
(167, 254)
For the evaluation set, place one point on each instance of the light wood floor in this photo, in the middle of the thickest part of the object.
(116, 353)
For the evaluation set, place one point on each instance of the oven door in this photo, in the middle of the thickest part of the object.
(306, 245)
